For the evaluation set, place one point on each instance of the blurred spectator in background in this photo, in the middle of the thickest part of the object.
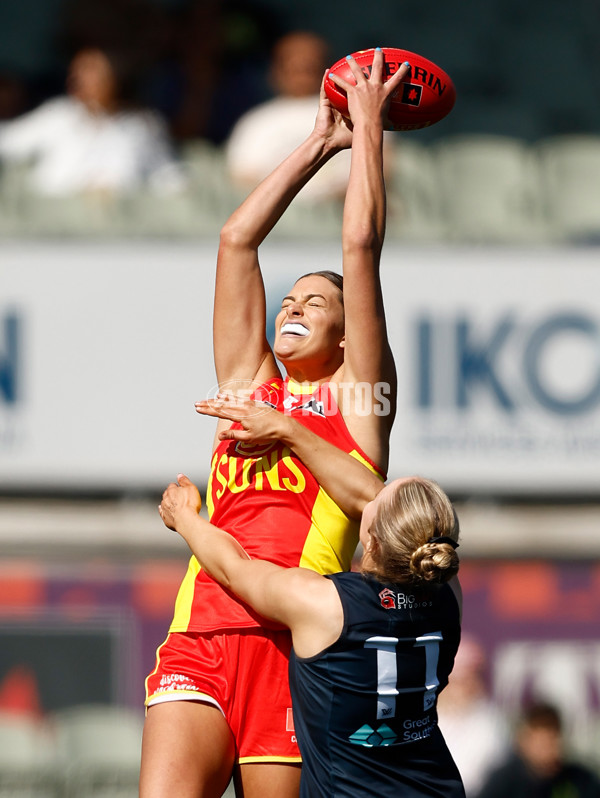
(215, 69)
(13, 96)
(264, 135)
(94, 138)
(475, 729)
(539, 768)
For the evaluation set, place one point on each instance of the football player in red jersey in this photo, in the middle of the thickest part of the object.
(207, 700)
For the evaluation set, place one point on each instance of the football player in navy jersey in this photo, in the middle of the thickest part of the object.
(371, 649)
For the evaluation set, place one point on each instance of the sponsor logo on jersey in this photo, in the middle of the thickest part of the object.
(289, 720)
(290, 401)
(248, 449)
(400, 601)
(371, 738)
(388, 599)
(175, 682)
(419, 729)
(313, 405)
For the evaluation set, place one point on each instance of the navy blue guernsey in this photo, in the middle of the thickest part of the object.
(365, 708)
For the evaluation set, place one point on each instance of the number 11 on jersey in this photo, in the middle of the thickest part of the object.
(387, 671)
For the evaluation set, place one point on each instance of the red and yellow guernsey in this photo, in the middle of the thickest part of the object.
(270, 502)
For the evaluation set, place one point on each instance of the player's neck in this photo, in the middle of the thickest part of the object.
(307, 375)
(314, 373)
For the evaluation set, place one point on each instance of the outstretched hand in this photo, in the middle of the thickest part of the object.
(369, 97)
(330, 123)
(179, 497)
(261, 423)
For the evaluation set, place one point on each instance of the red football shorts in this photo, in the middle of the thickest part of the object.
(242, 673)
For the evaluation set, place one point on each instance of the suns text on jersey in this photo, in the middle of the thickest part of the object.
(274, 470)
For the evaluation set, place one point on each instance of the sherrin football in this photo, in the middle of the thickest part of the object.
(424, 97)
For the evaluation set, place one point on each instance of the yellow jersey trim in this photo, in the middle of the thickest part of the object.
(185, 597)
(333, 537)
(301, 388)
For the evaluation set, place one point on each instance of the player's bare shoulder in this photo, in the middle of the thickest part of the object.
(318, 617)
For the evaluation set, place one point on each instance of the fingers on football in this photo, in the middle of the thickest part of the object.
(322, 93)
(341, 82)
(397, 78)
(359, 75)
(377, 66)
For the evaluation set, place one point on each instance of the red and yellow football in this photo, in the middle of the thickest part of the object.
(424, 97)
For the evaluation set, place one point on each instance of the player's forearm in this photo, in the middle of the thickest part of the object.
(365, 205)
(216, 550)
(222, 557)
(258, 214)
(349, 483)
(367, 354)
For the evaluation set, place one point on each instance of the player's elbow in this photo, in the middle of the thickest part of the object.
(236, 235)
(363, 238)
(356, 502)
(370, 491)
(232, 235)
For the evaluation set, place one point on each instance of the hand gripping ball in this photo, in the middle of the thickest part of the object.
(423, 98)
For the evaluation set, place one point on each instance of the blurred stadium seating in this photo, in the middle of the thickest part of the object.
(98, 748)
(527, 72)
(569, 169)
(28, 765)
(86, 751)
(477, 187)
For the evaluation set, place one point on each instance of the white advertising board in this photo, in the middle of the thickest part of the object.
(104, 348)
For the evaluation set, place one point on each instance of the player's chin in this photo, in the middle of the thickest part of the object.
(283, 350)
(286, 348)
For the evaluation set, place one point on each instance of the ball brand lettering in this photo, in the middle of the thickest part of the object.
(276, 470)
(425, 95)
(428, 79)
(418, 74)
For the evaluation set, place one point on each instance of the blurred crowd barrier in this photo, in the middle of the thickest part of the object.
(80, 752)
(469, 188)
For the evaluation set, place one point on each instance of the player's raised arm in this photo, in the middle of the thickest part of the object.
(240, 343)
(295, 597)
(368, 356)
(350, 484)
